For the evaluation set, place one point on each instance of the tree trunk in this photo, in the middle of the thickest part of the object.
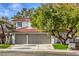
(61, 38)
(3, 41)
(64, 42)
(3, 35)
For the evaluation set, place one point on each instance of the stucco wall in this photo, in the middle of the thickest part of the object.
(26, 24)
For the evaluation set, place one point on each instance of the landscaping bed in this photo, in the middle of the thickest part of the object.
(2, 46)
(60, 46)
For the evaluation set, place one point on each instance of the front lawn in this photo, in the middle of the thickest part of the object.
(60, 46)
(2, 46)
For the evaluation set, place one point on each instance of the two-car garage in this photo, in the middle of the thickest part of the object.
(32, 38)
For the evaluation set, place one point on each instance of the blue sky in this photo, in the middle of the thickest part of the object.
(10, 9)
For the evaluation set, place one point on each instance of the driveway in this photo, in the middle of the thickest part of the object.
(33, 47)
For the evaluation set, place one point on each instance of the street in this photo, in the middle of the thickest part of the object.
(39, 53)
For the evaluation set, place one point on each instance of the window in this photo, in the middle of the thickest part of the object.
(19, 24)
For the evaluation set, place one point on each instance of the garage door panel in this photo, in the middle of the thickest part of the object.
(20, 39)
(38, 39)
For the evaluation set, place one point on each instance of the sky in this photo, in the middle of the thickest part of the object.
(10, 9)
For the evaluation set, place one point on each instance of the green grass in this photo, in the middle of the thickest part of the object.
(60, 46)
(2, 46)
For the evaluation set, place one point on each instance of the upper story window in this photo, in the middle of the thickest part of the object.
(19, 24)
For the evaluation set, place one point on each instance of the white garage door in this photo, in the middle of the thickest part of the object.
(20, 39)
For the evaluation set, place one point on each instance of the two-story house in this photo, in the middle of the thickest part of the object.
(26, 34)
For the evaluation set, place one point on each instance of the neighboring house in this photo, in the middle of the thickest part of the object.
(74, 44)
(26, 34)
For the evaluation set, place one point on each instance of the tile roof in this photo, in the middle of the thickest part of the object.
(25, 29)
(22, 20)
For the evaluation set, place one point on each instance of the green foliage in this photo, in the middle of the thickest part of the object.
(2, 46)
(55, 16)
(1, 22)
(22, 14)
(60, 46)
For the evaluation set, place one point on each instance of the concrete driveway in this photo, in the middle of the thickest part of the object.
(33, 47)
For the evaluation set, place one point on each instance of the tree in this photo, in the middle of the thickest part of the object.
(5, 27)
(2, 35)
(24, 13)
(57, 19)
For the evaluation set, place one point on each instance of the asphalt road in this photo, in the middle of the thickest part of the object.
(36, 53)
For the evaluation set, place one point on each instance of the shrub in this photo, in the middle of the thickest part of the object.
(4, 46)
(60, 46)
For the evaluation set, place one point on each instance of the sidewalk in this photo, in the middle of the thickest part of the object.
(22, 52)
